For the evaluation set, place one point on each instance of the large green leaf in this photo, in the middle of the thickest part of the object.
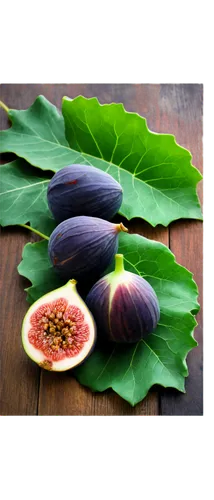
(158, 179)
(160, 359)
(23, 197)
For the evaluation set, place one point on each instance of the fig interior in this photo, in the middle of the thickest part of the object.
(58, 329)
(59, 332)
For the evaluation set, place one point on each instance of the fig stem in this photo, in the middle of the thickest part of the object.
(3, 106)
(119, 265)
(43, 236)
(73, 282)
(121, 227)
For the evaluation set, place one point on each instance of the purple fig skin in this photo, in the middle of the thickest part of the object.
(83, 190)
(124, 305)
(82, 246)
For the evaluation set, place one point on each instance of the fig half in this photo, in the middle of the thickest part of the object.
(124, 305)
(58, 331)
(81, 246)
(83, 190)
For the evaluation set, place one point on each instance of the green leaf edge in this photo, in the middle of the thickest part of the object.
(184, 362)
(29, 299)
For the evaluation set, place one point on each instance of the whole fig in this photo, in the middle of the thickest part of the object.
(83, 190)
(83, 245)
(124, 305)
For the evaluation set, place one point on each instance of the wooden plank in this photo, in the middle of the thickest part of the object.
(19, 376)
(181, 109)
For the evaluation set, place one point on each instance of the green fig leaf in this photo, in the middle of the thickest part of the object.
(152, 169)
(37, 268)
(131, 370)
(23, 197)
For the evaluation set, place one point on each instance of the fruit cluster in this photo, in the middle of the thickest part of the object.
(125, 308)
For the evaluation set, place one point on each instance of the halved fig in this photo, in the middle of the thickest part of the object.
(58, 331)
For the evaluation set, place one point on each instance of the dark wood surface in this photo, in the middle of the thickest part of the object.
(25, 389)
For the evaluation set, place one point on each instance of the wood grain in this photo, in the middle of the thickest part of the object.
(19, 377)
(186, 237)
(26, 390)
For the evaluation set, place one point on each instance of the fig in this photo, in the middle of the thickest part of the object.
(124, 305)
(58, 331)
(83, 190)
(81, 246)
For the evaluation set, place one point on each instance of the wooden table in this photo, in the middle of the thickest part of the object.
(27, 390)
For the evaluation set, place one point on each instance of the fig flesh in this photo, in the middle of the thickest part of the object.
(124, 305)
(58, 331)
(81, 246)
(83, 190)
